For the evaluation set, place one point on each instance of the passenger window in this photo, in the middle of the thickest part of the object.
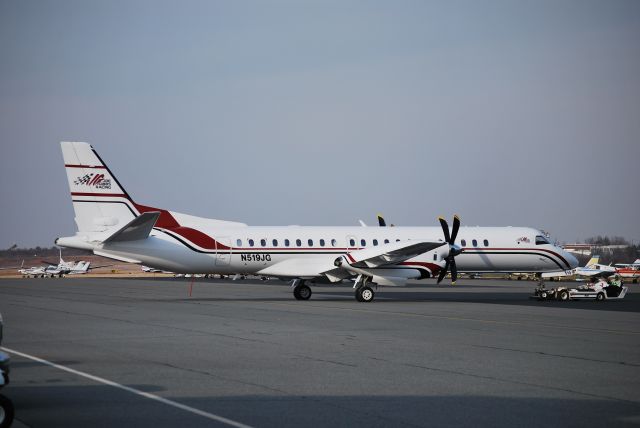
(334, 242)
(251, 242)
(275, 242)
(375, 242)
(286, 242)
(435, 257)
(397, 240)
(310, 242)
(363, 243)
(474, 242)
(486, 243)
(263, 242)
(322, 242)
(239, 242)
(298, 243)
(352, 242)
(464, 243)
(386, 241)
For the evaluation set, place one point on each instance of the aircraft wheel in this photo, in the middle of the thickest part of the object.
(6, 412)
(564, 295)
(302, 292)
(600, 297)
(543, 295)
(364, 294)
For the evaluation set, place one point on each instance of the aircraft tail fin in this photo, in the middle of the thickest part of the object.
(99, 200)
(593, 261)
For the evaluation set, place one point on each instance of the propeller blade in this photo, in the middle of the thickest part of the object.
(454, 270)
(454, 229)
(443, 272)
(445, 228)
(381, 221)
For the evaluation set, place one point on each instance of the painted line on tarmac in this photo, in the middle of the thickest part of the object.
(150, 396)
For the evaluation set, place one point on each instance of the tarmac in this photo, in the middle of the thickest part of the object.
(143, 353)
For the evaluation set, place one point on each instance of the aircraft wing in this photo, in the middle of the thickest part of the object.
(333, 268)
(389, 254)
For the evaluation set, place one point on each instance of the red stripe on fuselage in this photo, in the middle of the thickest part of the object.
(470, 250)
(166, 220)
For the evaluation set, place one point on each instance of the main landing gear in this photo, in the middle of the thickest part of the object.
(364, 293)
(301, 291)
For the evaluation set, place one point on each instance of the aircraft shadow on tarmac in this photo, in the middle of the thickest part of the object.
(97, 405)
(427, 293)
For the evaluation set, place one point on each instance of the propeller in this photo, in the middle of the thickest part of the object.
(381, 221)
(454, 250)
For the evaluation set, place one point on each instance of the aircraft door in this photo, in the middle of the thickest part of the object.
(223, 251)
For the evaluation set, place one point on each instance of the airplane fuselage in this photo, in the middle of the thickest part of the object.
(253, 250)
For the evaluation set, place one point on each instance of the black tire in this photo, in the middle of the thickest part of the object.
(600, 296)
(543, 295)
(563, 295)
(7, 412)
(365, 294)
(302, 292)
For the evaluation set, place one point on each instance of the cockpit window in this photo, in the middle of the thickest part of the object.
(541, 240)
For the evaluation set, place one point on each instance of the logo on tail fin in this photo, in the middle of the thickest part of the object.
(93, 180)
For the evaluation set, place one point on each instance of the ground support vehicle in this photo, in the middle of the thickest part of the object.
(593, 292)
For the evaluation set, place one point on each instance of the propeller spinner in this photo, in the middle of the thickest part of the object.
(454, 250)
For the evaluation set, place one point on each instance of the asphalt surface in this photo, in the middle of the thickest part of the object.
(477, 354)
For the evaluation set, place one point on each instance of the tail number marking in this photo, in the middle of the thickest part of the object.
(255, 257)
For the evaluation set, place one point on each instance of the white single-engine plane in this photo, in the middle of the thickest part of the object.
(112, 225)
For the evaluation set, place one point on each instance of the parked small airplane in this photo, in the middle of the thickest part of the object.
(59, 269)
(111, 224)
(148, 269)
(591, 269)
(630, 270)
(35, 271)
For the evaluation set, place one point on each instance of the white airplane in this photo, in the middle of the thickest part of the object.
(591, 269)
(111, 224)
(34, 271)
(59, 269)
(148, 269)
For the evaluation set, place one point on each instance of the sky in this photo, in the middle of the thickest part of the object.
(322, 113)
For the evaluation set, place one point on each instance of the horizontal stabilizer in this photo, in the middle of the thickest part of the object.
(136, 229)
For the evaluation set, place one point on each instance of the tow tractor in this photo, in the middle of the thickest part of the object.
(599, 291)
